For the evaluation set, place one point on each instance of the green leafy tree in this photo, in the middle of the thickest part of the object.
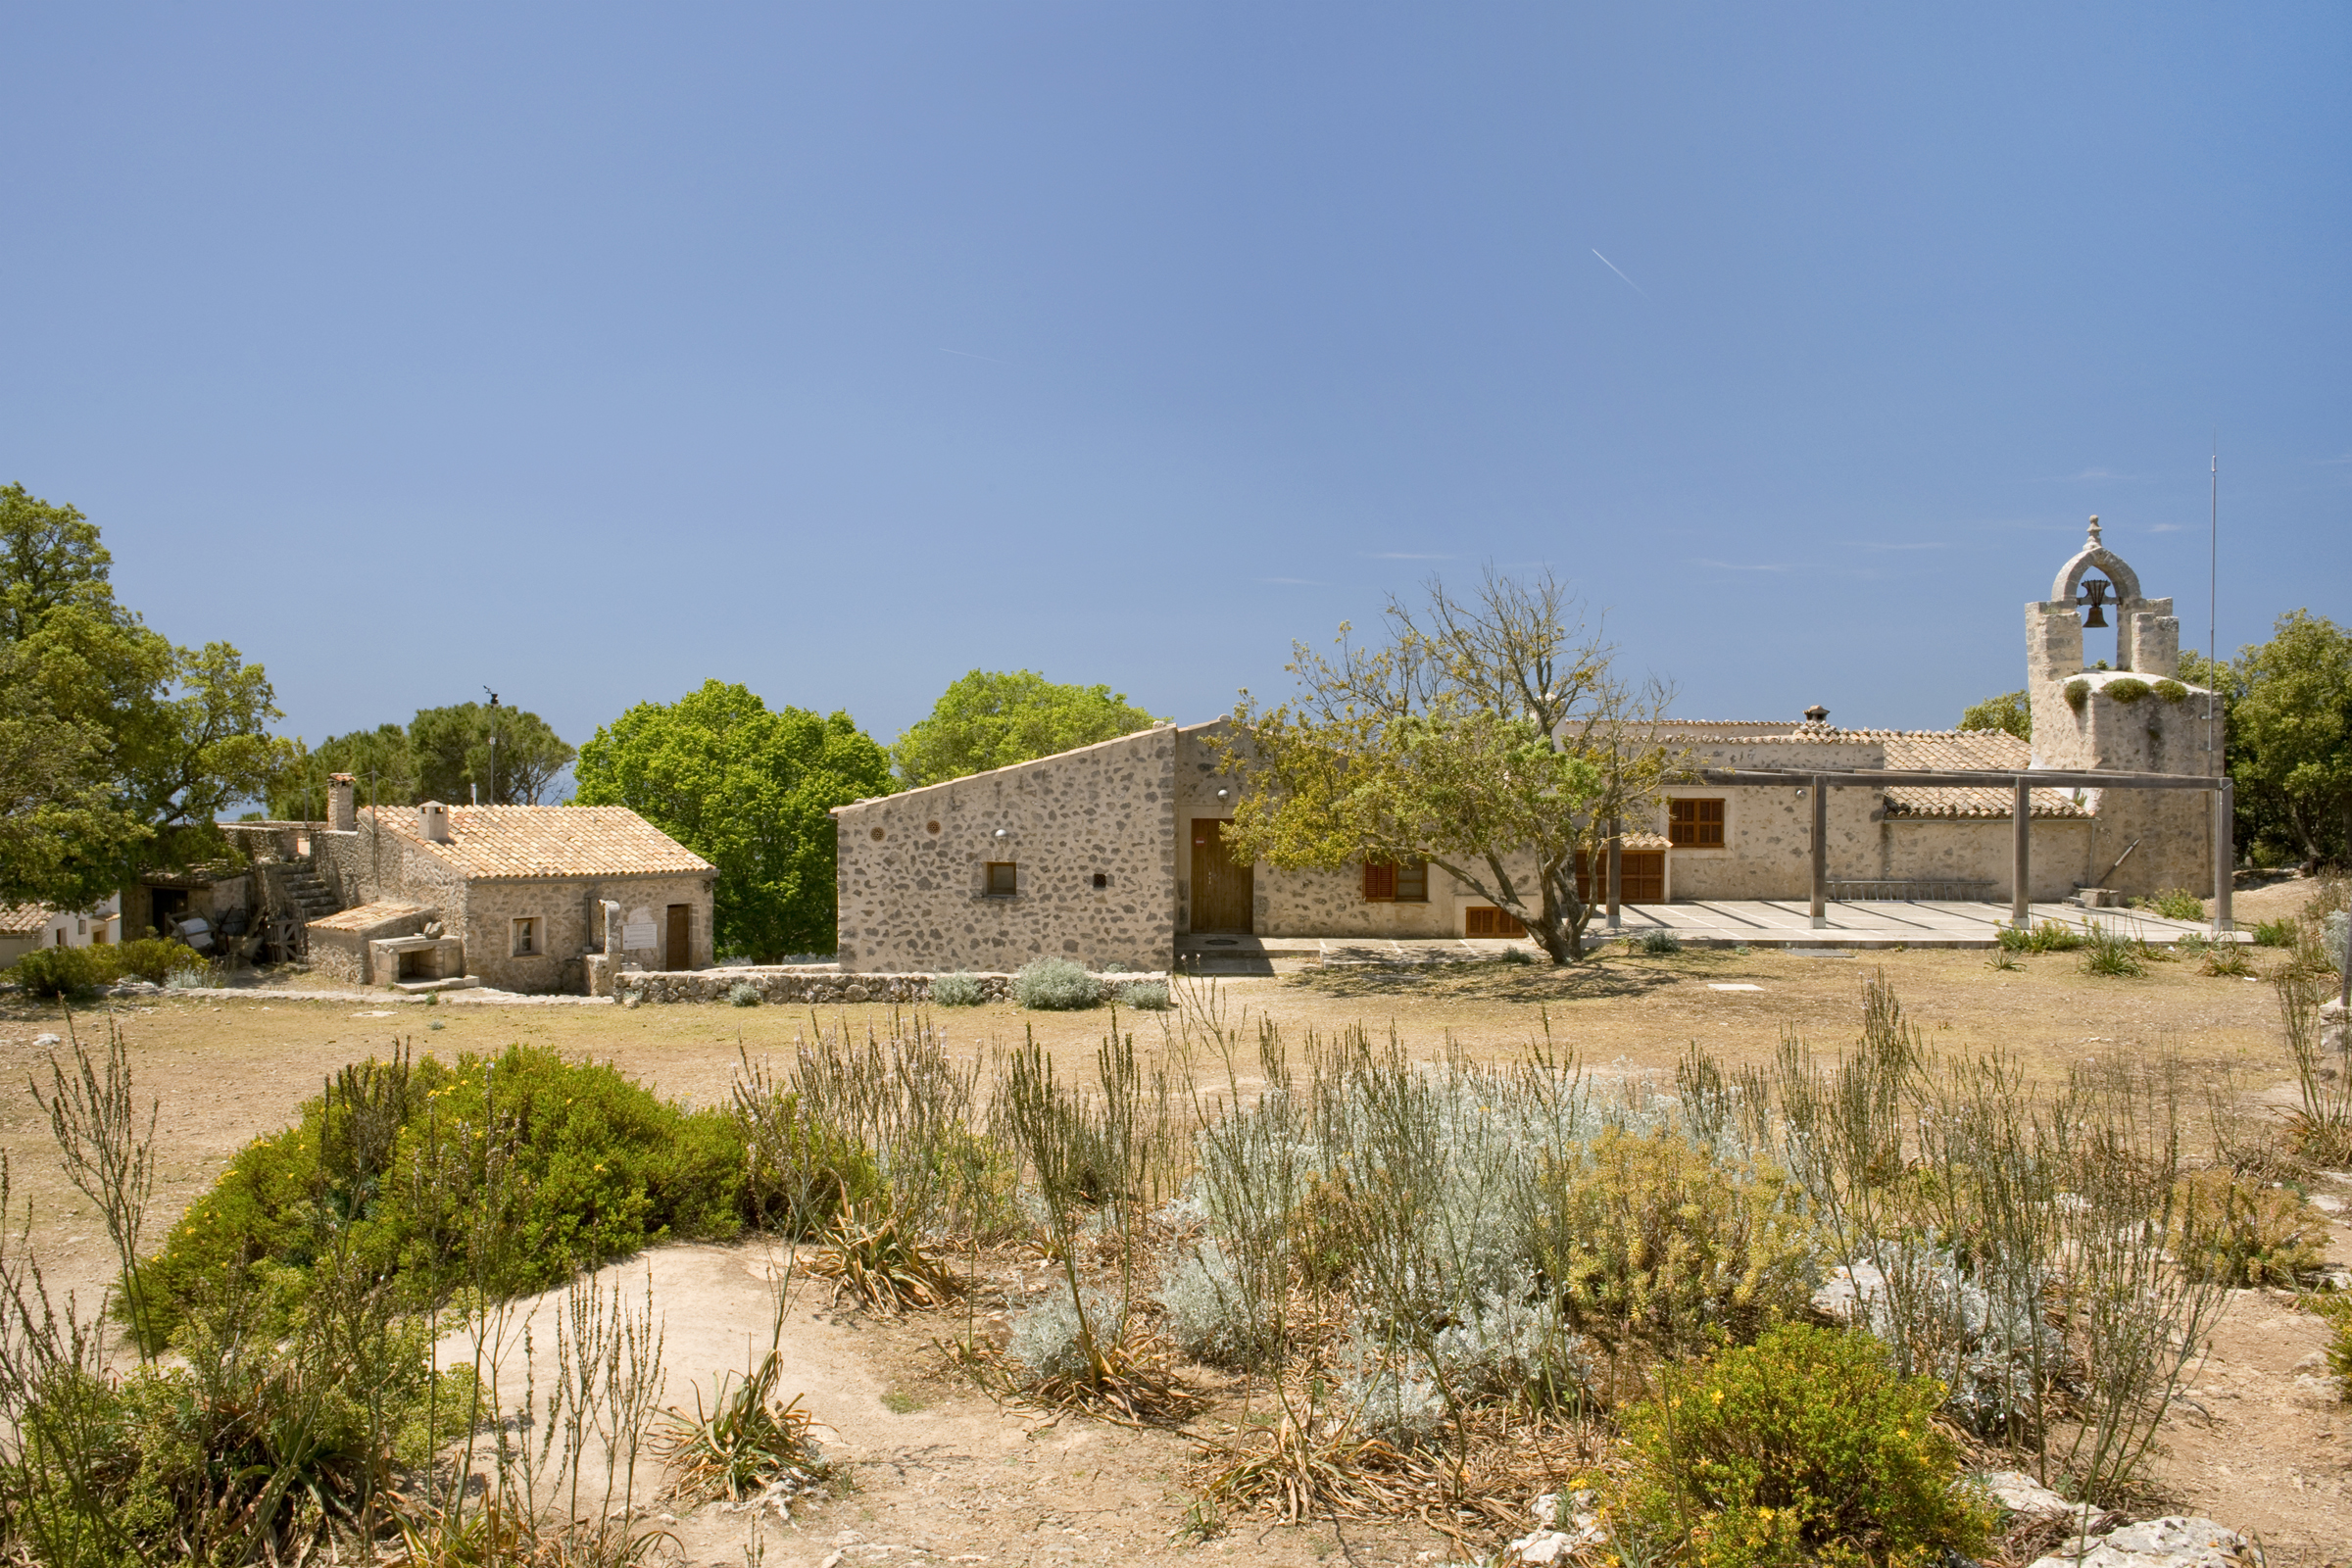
(381, 759)
(132, 747)
(2289, 706)
(751, 789)
(993, 718)
(454, 757)
(1490, 736)
(2007, 712)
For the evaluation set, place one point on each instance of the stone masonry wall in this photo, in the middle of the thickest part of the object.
(1768, 828)
(802, 986)
(563, 906)
(912, 866)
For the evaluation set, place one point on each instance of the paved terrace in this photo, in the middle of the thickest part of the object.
(1722, 923)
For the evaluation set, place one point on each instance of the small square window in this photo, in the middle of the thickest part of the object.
(1102, 879)
(1694, 824)
(1397, 882)
(1002, 880)
(527, 937)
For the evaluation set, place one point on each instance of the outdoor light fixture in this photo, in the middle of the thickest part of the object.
(1001, 833)
(1221, 793)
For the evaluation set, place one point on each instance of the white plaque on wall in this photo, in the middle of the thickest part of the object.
(637, 934)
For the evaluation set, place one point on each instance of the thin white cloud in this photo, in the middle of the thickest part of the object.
(1737, 565)
(1404, 555)
(982, 357)
(1906, 544)
(2329, 462)
(1295, 582)
(2168, 528)
(2088, 476)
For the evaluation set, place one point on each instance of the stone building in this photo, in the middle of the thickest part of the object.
(1113, 852)
(521, 897)
(26, 926)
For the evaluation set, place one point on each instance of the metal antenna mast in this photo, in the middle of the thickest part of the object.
(2213, 600)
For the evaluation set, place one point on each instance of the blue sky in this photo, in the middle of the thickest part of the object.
(588, 351)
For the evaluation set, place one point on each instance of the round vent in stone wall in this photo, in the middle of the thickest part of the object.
(877, 835)
(930, 827)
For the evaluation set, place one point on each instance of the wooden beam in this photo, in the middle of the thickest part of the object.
(1616, 868)
(2021, 856)
(1880, 777)
(1821, 852)
(2224, 853)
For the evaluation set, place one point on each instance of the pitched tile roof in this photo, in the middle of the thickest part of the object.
(21, 919)
(1968, 749)
(550, 841)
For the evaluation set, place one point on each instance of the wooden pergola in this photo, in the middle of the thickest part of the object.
(2021, 786)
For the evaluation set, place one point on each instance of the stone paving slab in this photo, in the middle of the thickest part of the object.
(1786, 924)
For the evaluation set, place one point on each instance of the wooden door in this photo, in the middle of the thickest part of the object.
(1640, 878)
(1485, 920)
(679, 952)
(1222, 887)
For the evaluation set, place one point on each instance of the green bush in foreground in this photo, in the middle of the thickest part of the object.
(503, 1175)
(959, 990)
(2175, 904)
(63, 971)
(1802, 1448)
(1056, 984)
(158, 959)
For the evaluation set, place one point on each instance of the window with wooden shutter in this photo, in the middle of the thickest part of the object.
(1380, 882)
(1485, 920)
(1694, 824)
(1413, 881)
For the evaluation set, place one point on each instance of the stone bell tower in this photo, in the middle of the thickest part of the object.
(2137, 718)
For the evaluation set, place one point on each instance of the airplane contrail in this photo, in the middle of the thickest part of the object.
(1628, 282)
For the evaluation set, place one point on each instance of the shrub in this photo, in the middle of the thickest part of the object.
(1056, 984)
(2279, 933)
(2243, 1233)
(2336, 1310)
(2131, 689)
(2078, 693)
(2051, 936)
(1517, 956)
(2112, 953)
(1209, 1314)
(1660, 943)
(1802, 1448)
(158, 959)
(1145, 995)
(505, 1175)
(959, 990)
(1397, 1404)
(743, 994)
(2172, 691)
(2175, 904)
(2227, 959)
(1048, 1341)
(63, 971)
(1654, 1238)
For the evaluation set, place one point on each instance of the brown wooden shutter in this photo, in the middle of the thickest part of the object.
(1380, 882)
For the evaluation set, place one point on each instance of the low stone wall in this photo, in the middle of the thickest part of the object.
(802, 986)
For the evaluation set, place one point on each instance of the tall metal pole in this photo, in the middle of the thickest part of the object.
(2021, 854)
(2224, 853)
(1821, 852)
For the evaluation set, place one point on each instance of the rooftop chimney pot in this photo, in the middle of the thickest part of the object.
(1817, 715)
(433, 820)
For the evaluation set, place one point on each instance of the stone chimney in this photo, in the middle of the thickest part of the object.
(342, 814)
(432, 820)
(1817, 715)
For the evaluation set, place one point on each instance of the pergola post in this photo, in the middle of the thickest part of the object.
(1821, 852)
(1616, 868)
(2021, 854)
(2224, 853)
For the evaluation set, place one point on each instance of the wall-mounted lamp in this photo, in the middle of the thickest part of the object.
(1222, 794)
(1001, 833)
(1801, 795)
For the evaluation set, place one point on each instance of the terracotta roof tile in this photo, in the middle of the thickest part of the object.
(21, 919)
(367, 916)
(1969, 749)
(551, 841)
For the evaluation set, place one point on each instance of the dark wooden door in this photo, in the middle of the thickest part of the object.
(681, 954)
(1640, 878)
(1222, 887)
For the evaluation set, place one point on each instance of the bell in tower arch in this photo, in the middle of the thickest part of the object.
(2095, 596)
